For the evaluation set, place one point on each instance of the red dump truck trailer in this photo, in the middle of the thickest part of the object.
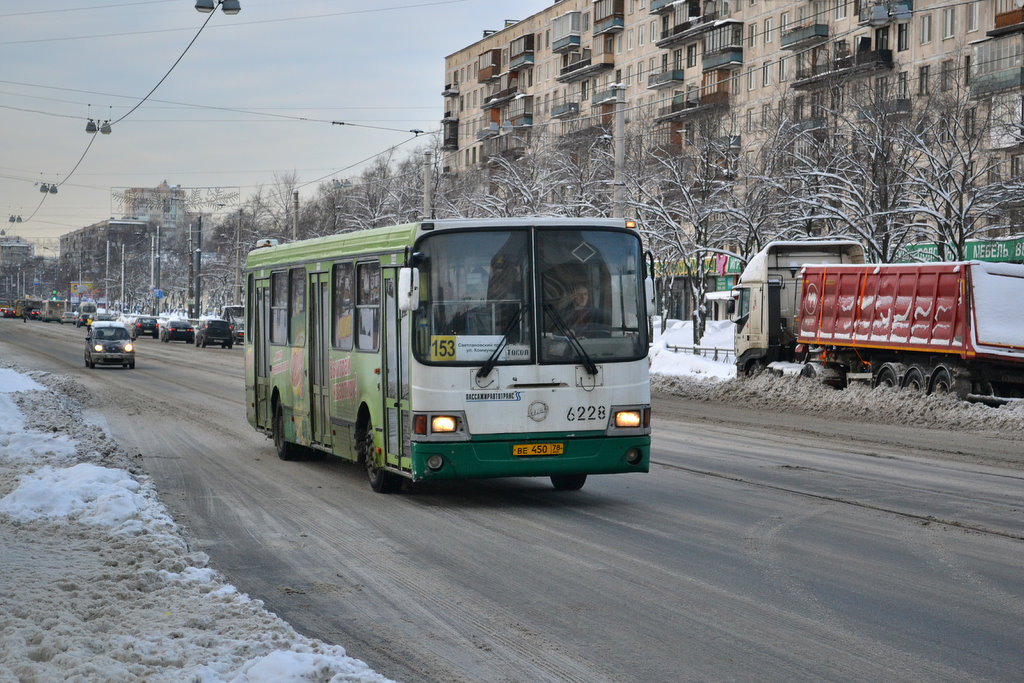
(936, 327)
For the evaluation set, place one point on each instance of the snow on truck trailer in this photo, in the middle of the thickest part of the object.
(936, 327)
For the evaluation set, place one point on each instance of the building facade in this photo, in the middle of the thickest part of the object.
(745, 61)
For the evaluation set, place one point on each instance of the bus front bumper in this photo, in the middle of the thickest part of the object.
(480, 458)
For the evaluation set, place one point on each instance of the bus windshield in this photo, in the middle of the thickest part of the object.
(517, 296)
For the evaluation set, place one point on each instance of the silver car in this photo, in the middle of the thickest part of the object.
(109, 342)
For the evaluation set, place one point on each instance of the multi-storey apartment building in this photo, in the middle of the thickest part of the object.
(744, 61)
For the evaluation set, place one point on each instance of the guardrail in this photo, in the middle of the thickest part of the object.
(712, 352)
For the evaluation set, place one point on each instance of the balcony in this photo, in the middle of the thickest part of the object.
(687, 104)
(802, 37)
(521, 52)
(898, 107)
(664, 78)
(729, 57)
(1008, 22)
(609, 16)
(450, 116)
(514, 144)
(659, 6)
(566, 33)
(609, 25)
(994, 81)
(450, 90)
(489, 132)
(565, 110)
(886, 12)
(489, 64)
(586, 67)
(450, 137)
(865, 62)
(604, 97)
(687, 30)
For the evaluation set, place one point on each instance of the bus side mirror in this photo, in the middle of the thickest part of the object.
(649, 294)
(408, 289)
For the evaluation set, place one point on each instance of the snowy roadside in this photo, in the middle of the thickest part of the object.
(96, 580)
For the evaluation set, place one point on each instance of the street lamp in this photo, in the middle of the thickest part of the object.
(227, 6)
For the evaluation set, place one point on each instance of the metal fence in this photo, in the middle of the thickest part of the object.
(714, 353)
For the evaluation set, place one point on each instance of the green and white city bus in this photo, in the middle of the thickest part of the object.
(455, 349)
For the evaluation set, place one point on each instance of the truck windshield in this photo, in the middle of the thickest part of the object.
(517, 296)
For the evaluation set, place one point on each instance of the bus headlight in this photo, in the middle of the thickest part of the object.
(627, 419)
(443, 424)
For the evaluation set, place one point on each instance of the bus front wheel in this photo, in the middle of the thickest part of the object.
(568, 482)
(381, 480)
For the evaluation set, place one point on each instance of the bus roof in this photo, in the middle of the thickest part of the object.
(396, 237)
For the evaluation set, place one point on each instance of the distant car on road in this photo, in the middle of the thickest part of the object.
(36, 314)
(146, 325)
(177, 330)
(68, 317)
(109, 342)
(214, 332)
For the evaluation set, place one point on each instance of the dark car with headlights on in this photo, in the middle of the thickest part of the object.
(145, 325)
(177, 330)
(109, 343)
(214, 332)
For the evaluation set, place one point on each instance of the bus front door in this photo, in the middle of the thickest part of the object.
(395, 357)
(319, 362)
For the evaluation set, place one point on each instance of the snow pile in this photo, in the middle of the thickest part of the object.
(683, 362)
(97, 583)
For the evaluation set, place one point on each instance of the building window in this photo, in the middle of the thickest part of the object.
(691, 56)
(946, 75)
(750, 120)
(902, 37)
(840, 9)
(750, 79)
(926, 28)
(767, 30)
(922, 80)
(766, 74)
(948, 22)
(784, 22)
(751, 35)
(766, 114)
(972, 16)
(901, 86)
(783, 69)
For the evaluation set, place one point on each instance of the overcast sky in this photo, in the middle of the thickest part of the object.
(255, 94)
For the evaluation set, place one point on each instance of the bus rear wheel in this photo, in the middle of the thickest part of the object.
(380, 479)
(285, 450)
(568, 482)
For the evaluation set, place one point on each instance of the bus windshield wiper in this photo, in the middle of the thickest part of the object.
(486, 368)
(574, 342)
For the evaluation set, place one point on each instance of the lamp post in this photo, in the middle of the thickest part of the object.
(238, 259)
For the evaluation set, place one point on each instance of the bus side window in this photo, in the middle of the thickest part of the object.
(279, 308)
(344, 311)
(368, 306)
(297, 306)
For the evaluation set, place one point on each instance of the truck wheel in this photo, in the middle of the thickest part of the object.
(568, 482)
(914, 380)
(886, 378)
